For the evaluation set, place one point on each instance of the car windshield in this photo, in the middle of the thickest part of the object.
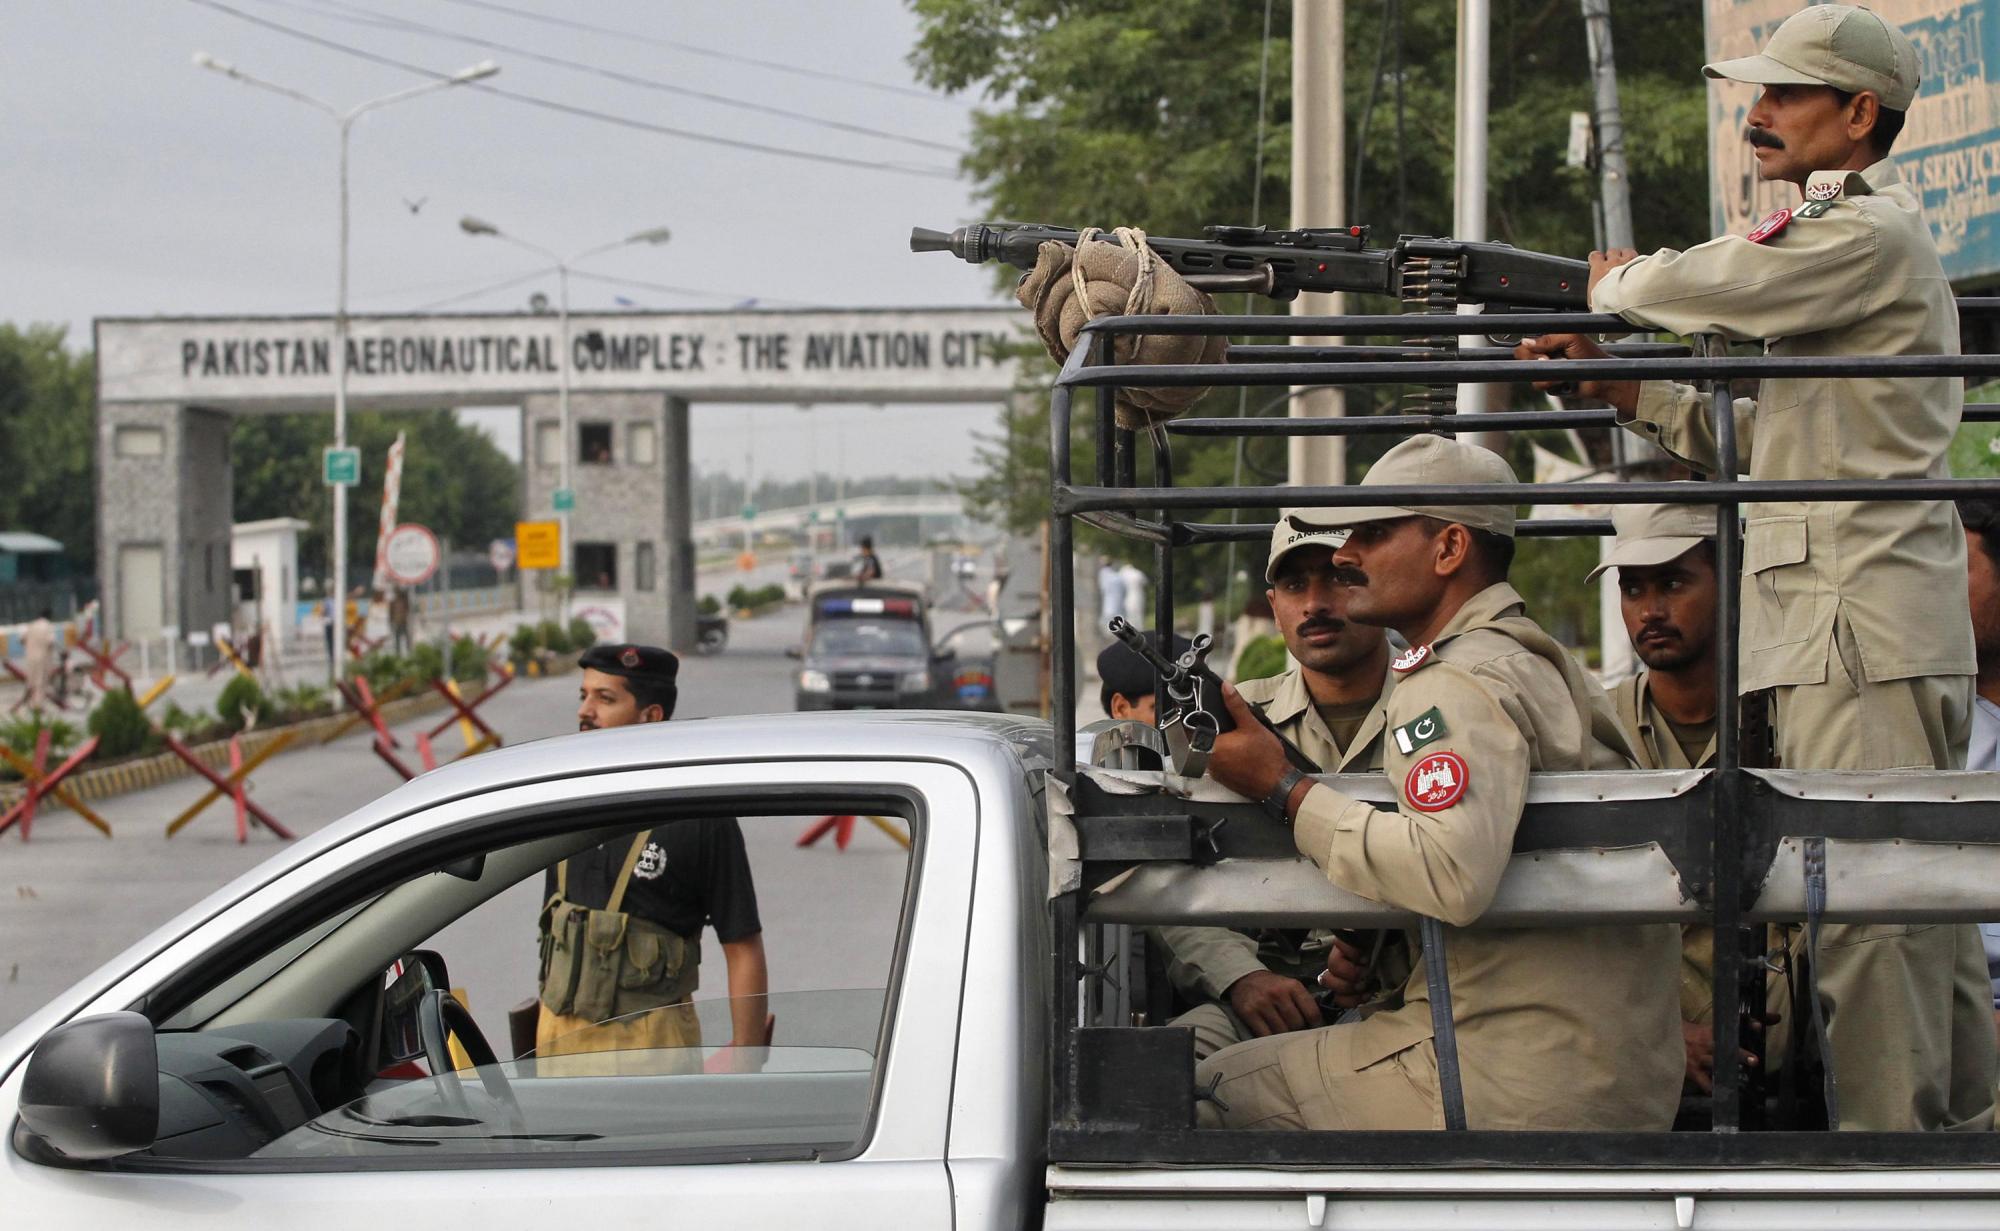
(869, 638)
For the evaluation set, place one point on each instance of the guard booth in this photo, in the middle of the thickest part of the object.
(1729, 847)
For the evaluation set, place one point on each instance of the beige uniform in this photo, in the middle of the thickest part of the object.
(1841, 610)
(1558, 1028)
(1203, 962)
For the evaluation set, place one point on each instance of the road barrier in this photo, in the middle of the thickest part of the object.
(236, 785)
(43, 781)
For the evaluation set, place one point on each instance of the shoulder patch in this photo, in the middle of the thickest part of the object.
(1813, 209)
(1409, 660)
(1425, 728)
(1436, 782)
(1771, 227)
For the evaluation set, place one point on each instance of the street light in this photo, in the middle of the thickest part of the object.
(337, 600)
(654, 235)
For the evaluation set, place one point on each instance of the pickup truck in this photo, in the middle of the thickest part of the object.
(969, 1035)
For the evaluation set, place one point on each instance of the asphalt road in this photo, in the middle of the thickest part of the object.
(70, 899)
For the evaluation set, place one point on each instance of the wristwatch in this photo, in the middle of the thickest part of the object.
(1275, 803)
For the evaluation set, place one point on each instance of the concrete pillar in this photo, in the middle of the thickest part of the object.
(619, 480)
(677, 538)
(165, 503)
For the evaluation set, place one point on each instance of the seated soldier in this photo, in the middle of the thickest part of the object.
(1573, 1027)
(1253, 983)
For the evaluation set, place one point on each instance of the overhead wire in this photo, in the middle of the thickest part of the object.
(377, 19)
(711, 52)
(550, 104)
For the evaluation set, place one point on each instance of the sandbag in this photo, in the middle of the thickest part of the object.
(1066, 290)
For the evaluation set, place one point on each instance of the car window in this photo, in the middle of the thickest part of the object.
(862, 638)
(733, 1004)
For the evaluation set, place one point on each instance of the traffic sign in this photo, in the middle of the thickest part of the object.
(410, 554)
(500, 552)
(342, 467)
(538, 544)
(565, 499)
(749, 511)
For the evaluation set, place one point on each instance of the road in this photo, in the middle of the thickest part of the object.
(70, 899)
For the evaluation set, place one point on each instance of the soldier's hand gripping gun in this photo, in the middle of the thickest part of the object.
(1195, 712)
(1433, 274)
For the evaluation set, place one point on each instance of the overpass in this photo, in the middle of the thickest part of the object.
(930, 506)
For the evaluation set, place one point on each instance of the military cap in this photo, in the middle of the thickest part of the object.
(648, 664)
(1426, 459)
(1841, 45)
(1288, 536)
(1656, 533)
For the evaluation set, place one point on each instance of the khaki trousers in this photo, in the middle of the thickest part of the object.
(1912, 1037)
(1215, 1027)
(1313, 1079)
(666, 1040)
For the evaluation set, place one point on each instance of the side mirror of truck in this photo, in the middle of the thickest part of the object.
(92, 1089)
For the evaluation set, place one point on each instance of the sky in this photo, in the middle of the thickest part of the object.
(139, 183)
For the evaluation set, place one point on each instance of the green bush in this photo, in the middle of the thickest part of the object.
(773, 593)
(553, 637)
(426, 662)
(581, 634)
(1261, 659)
(21, 733)
(708, 604)
(468, 661)
(120, 725)
(739, 597)
(742, 596)
(241, 700)
(522, 643)
(382, 670)
(178, 720)
(300, 701)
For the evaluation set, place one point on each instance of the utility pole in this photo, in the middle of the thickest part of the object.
(1468, 209)
(1319, 199)
(1614, 186)
(1615, 194)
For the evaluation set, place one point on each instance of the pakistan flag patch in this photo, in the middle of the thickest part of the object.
(1425, 728)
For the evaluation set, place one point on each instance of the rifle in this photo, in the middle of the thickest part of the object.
(1434, 274)
(1196, 713)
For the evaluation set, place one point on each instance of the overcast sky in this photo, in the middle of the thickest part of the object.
(140, 184)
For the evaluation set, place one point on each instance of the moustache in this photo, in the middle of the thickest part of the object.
(1667, 631)
(586, 726)
(1763, 138)
(1309, 627)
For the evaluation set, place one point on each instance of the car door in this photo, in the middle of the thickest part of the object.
(834, 1131)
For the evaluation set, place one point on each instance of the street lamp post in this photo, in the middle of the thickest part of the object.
(336, 606)
(654, 235)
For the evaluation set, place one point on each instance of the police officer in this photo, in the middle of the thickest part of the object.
(1841, 618)
(621, 930)
(1329, 703)
(1557, 1028)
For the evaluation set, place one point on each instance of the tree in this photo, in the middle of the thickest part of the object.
(454, 480)
(1145, 113)
(47, 437)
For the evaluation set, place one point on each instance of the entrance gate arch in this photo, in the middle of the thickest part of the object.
(168, 386)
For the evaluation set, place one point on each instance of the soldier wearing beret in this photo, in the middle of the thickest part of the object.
(621, 931)
(1842, 618)
(1556, 1028)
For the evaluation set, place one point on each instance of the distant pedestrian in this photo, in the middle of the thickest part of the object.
(1110, 592)
(1135, 595)
(867, 565)
(399, 620)
(39, 641)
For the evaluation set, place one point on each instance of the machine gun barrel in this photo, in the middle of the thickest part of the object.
(1281, 264)
(1196, 693)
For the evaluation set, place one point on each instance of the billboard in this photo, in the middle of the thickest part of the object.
(1949, 150)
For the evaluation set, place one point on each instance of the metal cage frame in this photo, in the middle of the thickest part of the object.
(1096, 1120)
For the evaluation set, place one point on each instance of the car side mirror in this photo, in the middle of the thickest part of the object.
(794, 651)
(92, 1089)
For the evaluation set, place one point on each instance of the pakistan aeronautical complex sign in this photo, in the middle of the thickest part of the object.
(281, 363)
(1949, 149)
